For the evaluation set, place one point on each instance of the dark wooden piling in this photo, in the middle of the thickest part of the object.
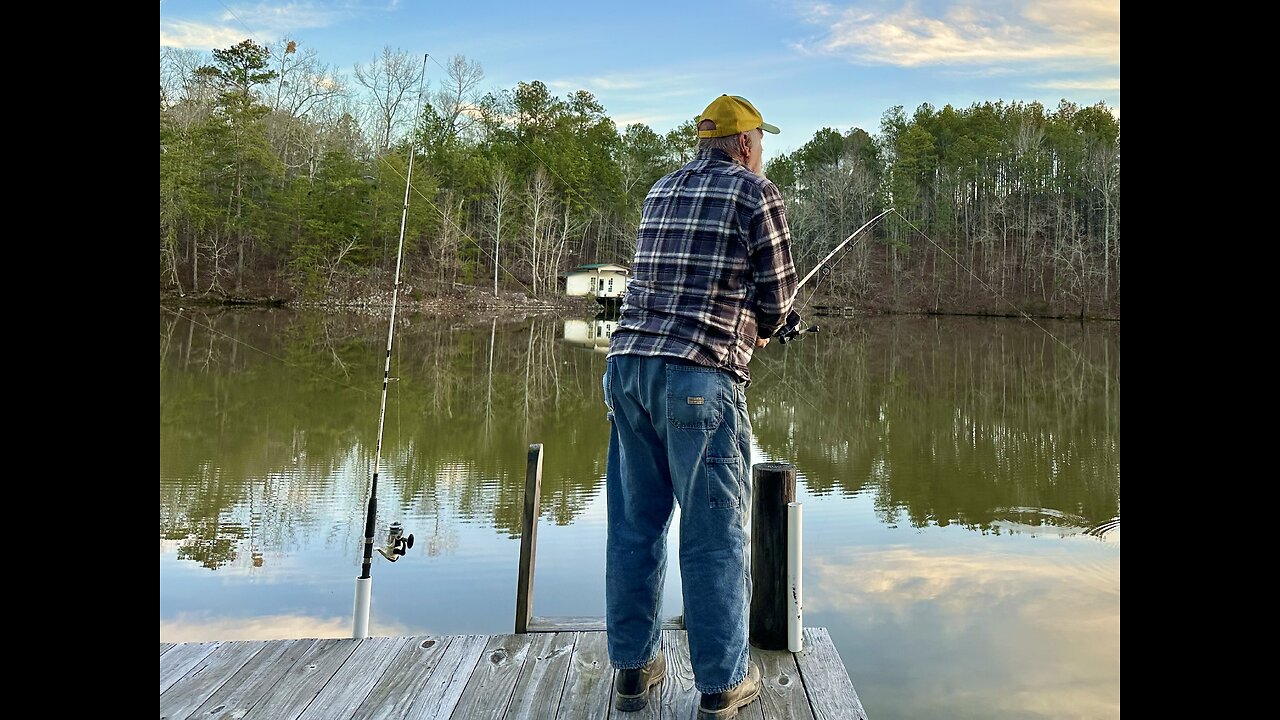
(529, 538)
(773, 486)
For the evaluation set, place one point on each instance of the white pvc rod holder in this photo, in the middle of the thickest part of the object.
(360, 624)
(795, 589)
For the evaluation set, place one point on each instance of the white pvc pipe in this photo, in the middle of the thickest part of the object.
(795, 590)
(364, 590)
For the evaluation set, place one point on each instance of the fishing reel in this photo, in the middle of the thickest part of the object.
(397, 543)
(793, 328)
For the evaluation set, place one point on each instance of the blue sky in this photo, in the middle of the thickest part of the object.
(805, 65)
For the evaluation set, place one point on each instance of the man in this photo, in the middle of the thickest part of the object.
(712, 280)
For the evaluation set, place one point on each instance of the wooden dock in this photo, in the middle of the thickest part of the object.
(533, 676)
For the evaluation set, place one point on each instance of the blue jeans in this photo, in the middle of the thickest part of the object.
(680, 433)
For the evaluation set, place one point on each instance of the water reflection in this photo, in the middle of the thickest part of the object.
(291, 422)
(268, 423)
(950, 421)
(956, 617)
(267, 627)
(961, 481)
(593, 334)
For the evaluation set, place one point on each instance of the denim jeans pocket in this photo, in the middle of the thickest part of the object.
(695, 396)
(723, 485)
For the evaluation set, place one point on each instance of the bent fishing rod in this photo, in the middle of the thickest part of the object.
(397, 544)
(793, 328)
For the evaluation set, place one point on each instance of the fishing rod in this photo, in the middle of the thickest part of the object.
(793, 328)
(397, 544)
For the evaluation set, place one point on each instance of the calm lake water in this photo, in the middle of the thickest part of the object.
(960, 480)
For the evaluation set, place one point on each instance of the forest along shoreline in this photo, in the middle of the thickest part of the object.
(464, 301)
(276, 190)
(475, 302)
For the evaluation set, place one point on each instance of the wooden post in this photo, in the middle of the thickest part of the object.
(529, 538)
(774, 485)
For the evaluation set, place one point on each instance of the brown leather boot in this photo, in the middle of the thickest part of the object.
(724, 705)
(631, 688)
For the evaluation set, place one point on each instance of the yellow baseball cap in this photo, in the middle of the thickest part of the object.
(732, 114)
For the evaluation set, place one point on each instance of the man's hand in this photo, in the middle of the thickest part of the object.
(791, 328)
(761, 342)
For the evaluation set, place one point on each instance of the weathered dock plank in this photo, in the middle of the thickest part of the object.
(448, 682)
(540, 687)
(782, 694)
(676, 696)
(588, 686)
(826, 682)
(474, 677)
(403, 674)
(181, 659)
(255, 680)
(192, 689)
(574, 623)
(293, 692)
(419, 680)
(355, 679)
(488, 691)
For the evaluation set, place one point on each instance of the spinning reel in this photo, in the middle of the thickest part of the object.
(397, 543)
(793, 328)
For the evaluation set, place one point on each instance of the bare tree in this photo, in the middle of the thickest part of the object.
(538, 201)
(1074, 271)
(334, 264)
(339, 128)
(458, 98)
(449, 236)
(302, 81)
(182, 95)
(835, 198)
(219, 250)
(499, 202)
(557, 249)
(1103, 172)
(388, 78)
(303, 87)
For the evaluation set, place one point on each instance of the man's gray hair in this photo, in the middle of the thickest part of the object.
(728, 144)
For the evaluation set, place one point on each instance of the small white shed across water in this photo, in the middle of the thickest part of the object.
(605, 282)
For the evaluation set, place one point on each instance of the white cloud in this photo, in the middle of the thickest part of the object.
(263, 22)
(198, 36)
(1103, 84)
(973, 33)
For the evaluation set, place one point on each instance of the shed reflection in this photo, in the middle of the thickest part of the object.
(593, 334)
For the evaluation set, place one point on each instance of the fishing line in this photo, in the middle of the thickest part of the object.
(984, 284)
(823, 263)
(825, 268)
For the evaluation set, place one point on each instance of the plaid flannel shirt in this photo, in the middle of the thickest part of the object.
(712, 270)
